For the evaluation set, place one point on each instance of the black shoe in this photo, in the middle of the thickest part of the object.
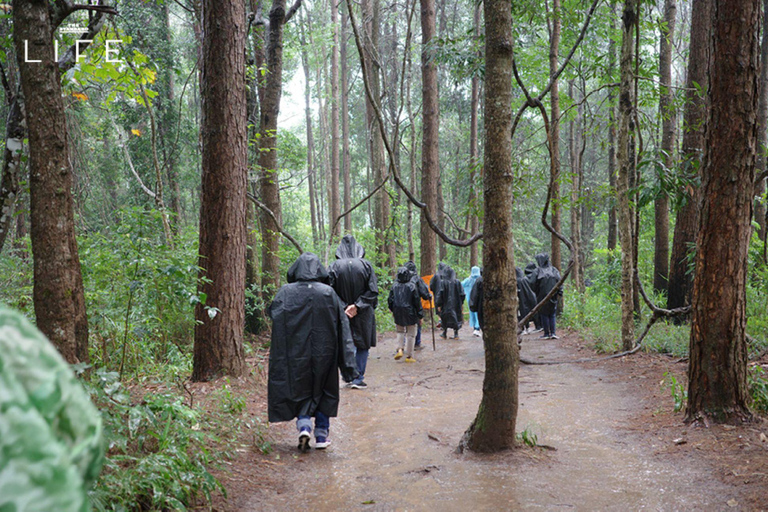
(418, 347)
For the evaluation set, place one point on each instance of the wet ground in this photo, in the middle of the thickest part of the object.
(394, 444)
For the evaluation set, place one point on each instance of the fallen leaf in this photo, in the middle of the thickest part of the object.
(763, 439)
(679, 440)
(369, 502)
(732, 503)
(136, 132)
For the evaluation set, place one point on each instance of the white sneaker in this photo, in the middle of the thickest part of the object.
(476, 332)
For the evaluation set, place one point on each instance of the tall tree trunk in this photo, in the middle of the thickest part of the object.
(218, 345)
(762, 131)
(335, 162)
(269, 179)
(346, 159)
(430, 164)
(668, 135)
(411, 160)
(554, 98)
(310, 138)
(168, 124)
(626, 168)
(717, 374)
(493, 428)
(612, 224)
(58, 287)
(15, 133)
(441, 248)
(575, 149)
(474, 221)
(686, 225)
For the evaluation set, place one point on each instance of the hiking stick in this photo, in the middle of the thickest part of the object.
(432, 321)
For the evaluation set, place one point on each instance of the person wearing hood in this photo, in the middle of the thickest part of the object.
(526, 299)
(405, 304)
(354, 280)
(311, 343)
(546, 278)
(468, 284)
(476, 300)
(423, 293)
(449, 301)
(434, 283)
(531, 271)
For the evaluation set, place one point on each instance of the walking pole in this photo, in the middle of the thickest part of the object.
(432, 321)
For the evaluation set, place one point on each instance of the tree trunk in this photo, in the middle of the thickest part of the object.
(310, 138)
(168, 127)
(335, 162)
(474, 221)
(58, 287)
(411, 161)
(346, 159)
(554, 98)
(612, 224)
(430, 164)
(493, 429)
(762, 129)
(15, 133)
(269, 179)
(626, 164)
(575, 149)
(668, 130)
(717, 375)
(686, 225)
(218, 345)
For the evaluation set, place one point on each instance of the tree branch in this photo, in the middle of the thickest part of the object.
(69, 59)
(295, 7)
(269, 212)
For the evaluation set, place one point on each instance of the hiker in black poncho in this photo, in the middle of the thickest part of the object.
(311, 342)
(530, 271)
(526, 299)
(405, 304)
(544, 280)
(354, 280)
(449, 302)
(423, 293)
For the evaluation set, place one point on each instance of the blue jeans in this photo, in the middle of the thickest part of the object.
(548, 322)
(418, 335)
(322, 424)
(473, 320)
(361, 358)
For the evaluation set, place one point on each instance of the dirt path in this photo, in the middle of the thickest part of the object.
(394, 443)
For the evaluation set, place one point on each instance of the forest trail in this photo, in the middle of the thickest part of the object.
(393, 444)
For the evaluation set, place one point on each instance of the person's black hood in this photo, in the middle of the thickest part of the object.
(307, 268)
(519, 273)
(441, 268)
(449, 273)
(542, 259)
(411, 266)
(349, 248)
(530, 268)
(403, 275)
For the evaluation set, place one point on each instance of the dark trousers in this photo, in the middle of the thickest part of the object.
(548, 322)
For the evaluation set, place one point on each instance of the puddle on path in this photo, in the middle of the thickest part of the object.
(394, 443)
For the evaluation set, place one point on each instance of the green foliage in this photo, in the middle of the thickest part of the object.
(527, 437)
(677, 390)
(758, 388)
(158, 450)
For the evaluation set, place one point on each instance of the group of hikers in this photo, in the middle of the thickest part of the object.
(324, 324)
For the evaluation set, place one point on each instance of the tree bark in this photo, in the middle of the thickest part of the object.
(474, 220)
(612, 224)
(335, 162)
(218, 345)
(668, 135)
(694, 123)
(58, 287)
(430, 164)
(346, 159)
(575, 151)
(717, 374)
(493, 429)
(627, 168)
(554, 98)
(762, 130)
(310, 139)
(15, 133)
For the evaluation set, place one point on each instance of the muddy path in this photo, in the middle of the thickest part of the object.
(393, 444)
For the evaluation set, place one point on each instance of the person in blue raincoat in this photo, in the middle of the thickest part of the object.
(468, 284)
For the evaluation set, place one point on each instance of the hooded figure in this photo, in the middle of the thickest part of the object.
(547, 277)
(434, 283)
(354, 280)
(526, 299)
(404, 301)
(311, 342)
(476, 300)
(468, 284)
(415, 279)
(449, 302)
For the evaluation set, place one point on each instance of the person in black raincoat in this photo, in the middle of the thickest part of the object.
(354, 280)
(449, 302)
(434, 283)
(311, 342)
(526, 299)
(423, 293)
(530, 276)
(405, 304)
(546, 277)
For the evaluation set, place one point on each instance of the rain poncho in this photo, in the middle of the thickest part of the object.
(51, 448)
(404, 301)
(415, 279)
(354, 280)
(449, 300)
(468, 284)
(434, 283)
(476, 300)
(542, 280)
(526, 299)
(311, 342)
